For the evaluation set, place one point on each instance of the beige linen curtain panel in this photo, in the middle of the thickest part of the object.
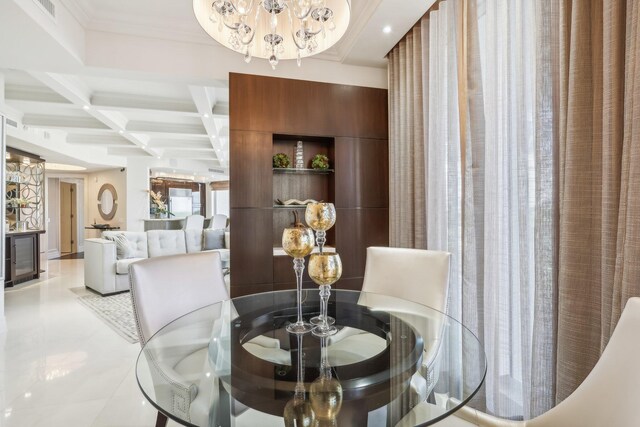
(599, 178)
(514, 144)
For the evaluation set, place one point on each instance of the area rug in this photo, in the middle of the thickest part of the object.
(115, 310)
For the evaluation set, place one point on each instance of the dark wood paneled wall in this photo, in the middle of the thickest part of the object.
(355, 119)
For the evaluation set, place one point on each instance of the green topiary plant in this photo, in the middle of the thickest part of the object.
(281, 160)
(320, 161)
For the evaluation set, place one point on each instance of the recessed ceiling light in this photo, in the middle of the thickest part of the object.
(206, 116)
(85, 107)
(386, 29)
(120, 131)
(62, 167)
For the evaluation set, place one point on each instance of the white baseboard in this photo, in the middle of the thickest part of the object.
(53, 253)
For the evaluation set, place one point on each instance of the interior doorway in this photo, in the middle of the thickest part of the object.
(68, 218)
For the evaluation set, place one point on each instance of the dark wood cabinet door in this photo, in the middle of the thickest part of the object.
(250, 170)
(251, 247)
(356, 230)
(299, 107)
(362, 171)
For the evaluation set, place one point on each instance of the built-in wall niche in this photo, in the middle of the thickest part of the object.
(24, 187)
(300, 183)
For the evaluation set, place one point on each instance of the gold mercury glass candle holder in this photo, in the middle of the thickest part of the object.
(298, 242)
(297, 411)
(325, 393)
(320, 217)
(325, 270)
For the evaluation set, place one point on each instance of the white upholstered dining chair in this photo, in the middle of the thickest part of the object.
(415, 275)
(219, 221)
(609, 396)
(194, 222)
(164, 289)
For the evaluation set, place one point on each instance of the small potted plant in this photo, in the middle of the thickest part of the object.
(281, 161)
(320, 161)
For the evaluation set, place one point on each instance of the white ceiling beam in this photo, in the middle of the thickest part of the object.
(100, 140)
(209, 155)
(74, 91)
(128, 152)
(124, 102)
(155, 128)
(63, 122)
(34, 94)
(205, 101)
(183, 144)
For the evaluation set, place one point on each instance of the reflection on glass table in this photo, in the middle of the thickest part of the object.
(233, 363)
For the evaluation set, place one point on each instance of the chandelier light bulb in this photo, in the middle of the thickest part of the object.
(274, 29)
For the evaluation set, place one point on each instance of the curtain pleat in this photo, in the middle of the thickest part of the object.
(406, 144)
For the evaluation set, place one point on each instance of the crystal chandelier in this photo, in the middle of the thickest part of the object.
(274, 29)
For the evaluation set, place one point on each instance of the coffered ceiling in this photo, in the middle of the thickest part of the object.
(113, 80)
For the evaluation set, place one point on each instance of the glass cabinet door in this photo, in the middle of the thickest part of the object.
(24, 255)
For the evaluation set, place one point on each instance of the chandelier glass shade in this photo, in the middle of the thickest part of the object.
(274, 29)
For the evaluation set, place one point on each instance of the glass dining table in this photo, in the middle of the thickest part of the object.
(392, 363)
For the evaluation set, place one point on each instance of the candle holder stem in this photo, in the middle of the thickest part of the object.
(300, 327)
(324, 329)
(321, 239)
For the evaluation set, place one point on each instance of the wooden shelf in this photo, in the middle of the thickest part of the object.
(290, 206)
(328, 249)
(303, 171)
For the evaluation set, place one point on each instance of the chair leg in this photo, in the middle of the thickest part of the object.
(161, 420)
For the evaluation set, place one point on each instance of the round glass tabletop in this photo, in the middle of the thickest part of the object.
(392, 362)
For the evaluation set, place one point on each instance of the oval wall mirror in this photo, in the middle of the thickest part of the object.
(107, 201)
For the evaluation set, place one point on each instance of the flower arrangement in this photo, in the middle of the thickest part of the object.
(281, 160)
(161, 206)
(320, 161)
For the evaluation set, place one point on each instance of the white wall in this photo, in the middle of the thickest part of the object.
(137, 184)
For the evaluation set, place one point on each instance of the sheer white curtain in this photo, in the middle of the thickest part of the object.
(498, 217)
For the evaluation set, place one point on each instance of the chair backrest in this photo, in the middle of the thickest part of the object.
(417, 275)
(610, 395)
(165, 288)
(194, 222)
(218, 221)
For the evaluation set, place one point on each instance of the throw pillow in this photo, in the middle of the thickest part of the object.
(213, 239)
(124, 249)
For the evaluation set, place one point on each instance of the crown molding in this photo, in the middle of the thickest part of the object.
(78, 9)
(346, 44)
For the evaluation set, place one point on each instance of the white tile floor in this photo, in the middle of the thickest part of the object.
(62, 366)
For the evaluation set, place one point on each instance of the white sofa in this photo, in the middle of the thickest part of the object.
(106, 274)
